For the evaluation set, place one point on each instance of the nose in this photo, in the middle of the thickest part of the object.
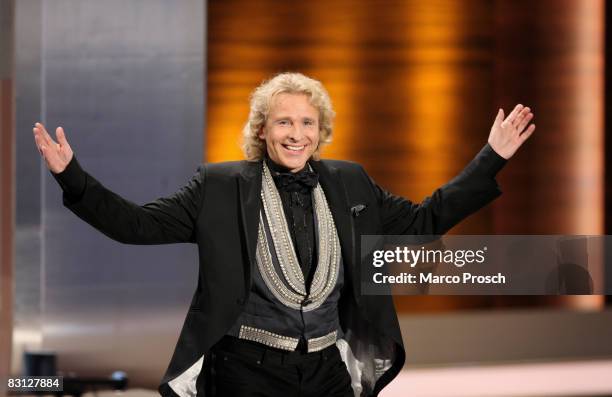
(296, 133)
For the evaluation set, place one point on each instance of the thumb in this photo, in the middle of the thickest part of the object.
(61, 137)
(500, 116)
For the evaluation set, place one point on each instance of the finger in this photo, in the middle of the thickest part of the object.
(36, 133)
(38, 129)
(45, 134)
(43, 151)
(61, 137)
(525, 135)
(39, 132)
(504, 123)
(524, 122)
(518, 115)
(39, 143)
(514, 113)
(521, 116)
(500, 116)
(43, 148)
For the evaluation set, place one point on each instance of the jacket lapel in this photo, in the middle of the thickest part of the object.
(337, 198)
(249, 187)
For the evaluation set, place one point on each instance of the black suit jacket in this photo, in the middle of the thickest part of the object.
(218, 210)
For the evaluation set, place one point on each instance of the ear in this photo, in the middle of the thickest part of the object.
(261, 135)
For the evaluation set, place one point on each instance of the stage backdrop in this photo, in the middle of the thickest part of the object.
(416, 86)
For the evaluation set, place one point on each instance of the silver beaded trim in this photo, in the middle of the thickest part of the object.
(271, 278)
(289, 287)
(285, 342)
(320, 343)
(279, 229)
(268, 338)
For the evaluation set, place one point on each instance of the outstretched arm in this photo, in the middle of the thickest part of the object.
(166, 220)
(469, 191)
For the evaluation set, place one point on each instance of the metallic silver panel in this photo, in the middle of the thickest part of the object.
(125, 80)
(27, 269)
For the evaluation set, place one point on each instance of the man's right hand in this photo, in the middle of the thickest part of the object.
(56, 155)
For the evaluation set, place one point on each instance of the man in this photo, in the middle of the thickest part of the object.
(277, 310)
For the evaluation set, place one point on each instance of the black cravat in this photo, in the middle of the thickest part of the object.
(302, 181)
(295, 190)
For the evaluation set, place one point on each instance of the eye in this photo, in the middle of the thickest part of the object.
(283, 122)
(309, 122)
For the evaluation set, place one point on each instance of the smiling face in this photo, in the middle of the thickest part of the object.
(291, 131)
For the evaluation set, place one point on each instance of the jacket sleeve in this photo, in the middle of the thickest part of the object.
(469, 191)
(166, 220)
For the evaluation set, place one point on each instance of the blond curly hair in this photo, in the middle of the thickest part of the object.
(254, 148)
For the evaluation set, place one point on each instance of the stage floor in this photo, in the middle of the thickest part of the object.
(572, 378)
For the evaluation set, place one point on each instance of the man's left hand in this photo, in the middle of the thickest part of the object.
(508, 135)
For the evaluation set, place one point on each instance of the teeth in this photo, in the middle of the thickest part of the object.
(296, 148)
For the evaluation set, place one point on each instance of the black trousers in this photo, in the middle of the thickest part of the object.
(239, 368)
